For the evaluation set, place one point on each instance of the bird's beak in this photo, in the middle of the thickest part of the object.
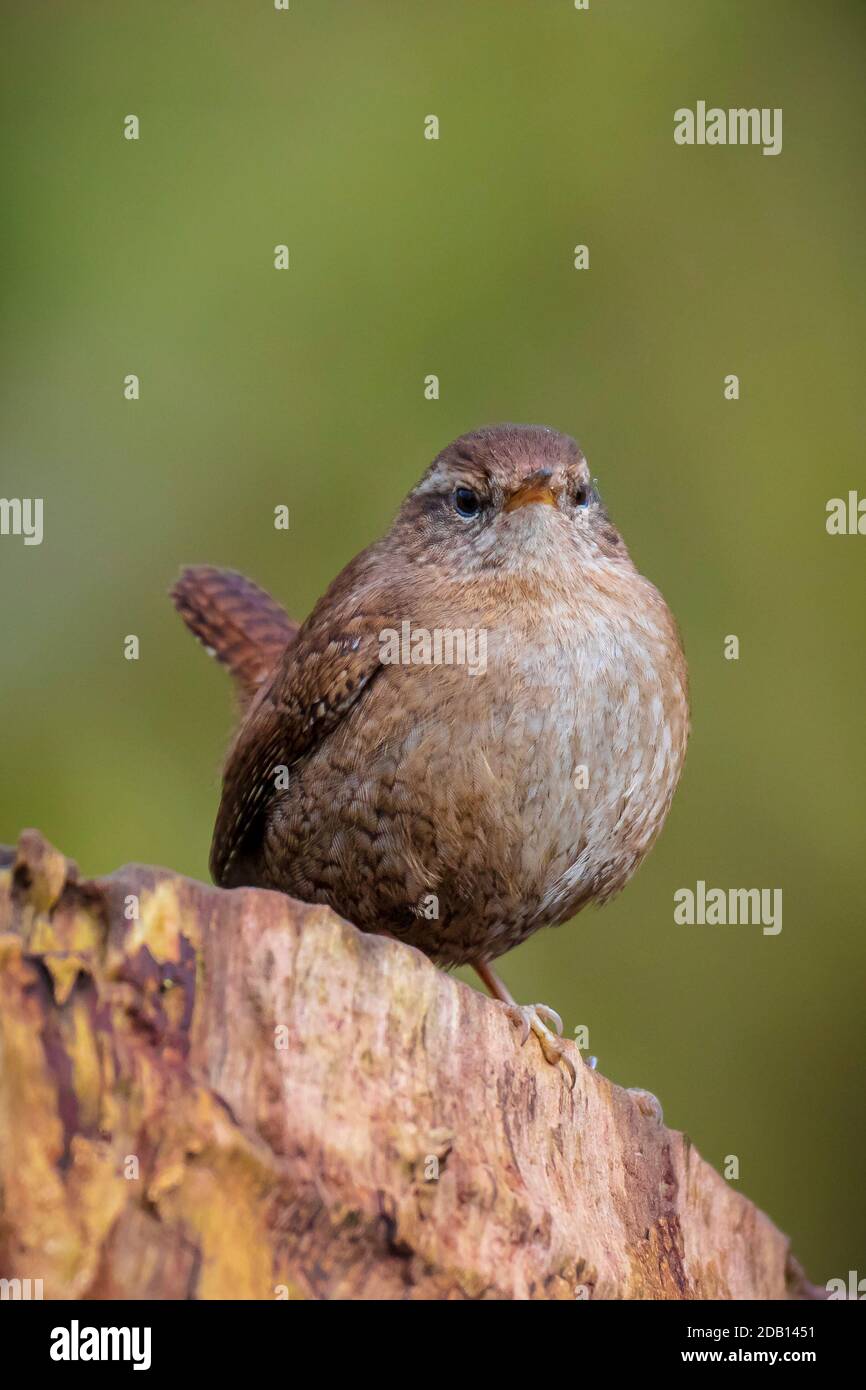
(535, 488)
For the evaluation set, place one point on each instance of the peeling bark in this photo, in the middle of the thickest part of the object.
(236, 1095)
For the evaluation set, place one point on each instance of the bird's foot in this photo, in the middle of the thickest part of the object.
(534, 1018)
(530, 1018)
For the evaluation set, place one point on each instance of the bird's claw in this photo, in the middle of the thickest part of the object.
(647, 1103)
(549, 1016)
(533, 1018)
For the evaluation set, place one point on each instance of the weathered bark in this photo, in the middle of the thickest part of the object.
(236, 1095)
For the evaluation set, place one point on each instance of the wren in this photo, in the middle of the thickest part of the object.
(454, 805)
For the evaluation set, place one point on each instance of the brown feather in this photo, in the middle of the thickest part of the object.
(237, 622)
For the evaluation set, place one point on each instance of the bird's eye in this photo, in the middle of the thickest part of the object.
(581, 495)
(466, 502)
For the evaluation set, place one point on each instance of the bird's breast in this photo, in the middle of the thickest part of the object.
(565, 754)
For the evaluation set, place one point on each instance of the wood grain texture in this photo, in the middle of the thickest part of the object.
(237, 1095)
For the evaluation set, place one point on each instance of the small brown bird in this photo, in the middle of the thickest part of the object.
(479, 728)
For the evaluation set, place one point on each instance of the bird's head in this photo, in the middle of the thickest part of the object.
(516, 499)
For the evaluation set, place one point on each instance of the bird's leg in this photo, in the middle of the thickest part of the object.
(531, 1018)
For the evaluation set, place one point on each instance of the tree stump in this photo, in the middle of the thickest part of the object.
(212, 1094)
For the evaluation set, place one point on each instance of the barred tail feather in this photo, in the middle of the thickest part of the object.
(237, 622)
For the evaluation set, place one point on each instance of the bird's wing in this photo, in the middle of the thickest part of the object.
(321, 676)
(238, 623)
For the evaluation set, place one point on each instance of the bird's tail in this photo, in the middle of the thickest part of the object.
(237, 622)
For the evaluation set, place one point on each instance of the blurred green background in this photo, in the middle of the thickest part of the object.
(305, 387)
